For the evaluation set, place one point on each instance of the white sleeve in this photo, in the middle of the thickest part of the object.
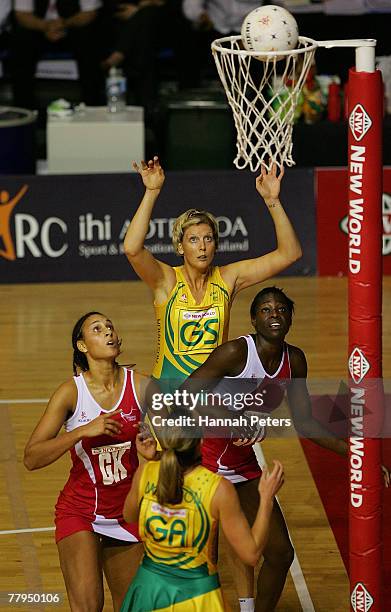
(192, 9)
(90, 5)
(26, 6)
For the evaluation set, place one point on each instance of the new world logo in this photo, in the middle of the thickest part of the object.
(359, 122)
(361, 599)
(343, 224)
(358, 365)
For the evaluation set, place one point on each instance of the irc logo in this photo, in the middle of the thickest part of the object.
(359, 122)
(7, 204)
(360, 598)
(31, 237)
(358, 365)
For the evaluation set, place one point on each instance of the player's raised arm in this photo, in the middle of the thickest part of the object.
(247, 542)
(248, 272)
(153, 272)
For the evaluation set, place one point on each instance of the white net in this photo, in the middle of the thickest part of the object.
(263, 94)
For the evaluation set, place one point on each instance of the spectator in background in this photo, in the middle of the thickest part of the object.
(135, 46)
(56, 25)
(141, 29)
(5, 9)
(223, 16)
(213, 19)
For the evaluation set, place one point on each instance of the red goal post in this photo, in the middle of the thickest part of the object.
(365, 113)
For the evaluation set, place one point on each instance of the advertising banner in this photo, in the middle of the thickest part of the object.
(71, 228)
(332, 220)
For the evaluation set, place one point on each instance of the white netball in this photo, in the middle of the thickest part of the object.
(269, 28)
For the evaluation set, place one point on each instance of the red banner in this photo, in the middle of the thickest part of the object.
(332, 220)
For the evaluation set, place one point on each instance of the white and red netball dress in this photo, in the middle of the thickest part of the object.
(239, 463)
(102, 468)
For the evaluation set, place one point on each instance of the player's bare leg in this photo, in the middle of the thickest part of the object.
(120, 564)
(80, 562)
(243, 575)
(278, 554)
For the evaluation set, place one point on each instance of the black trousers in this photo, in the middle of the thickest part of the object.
(28, 46)
(140, 38)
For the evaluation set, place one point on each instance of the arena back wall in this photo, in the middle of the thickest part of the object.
(71, 228)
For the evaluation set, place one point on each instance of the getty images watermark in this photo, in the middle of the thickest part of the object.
(190, 401)
(231, 407)
(226, 411)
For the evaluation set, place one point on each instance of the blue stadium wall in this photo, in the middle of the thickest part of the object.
(71, 228)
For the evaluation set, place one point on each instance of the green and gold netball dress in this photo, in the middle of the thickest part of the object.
(178, 572)
(188, 332)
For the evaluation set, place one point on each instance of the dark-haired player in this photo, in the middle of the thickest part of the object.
(275, 367)
(100, 411)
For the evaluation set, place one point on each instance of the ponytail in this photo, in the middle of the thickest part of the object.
(179, 454)
(169, 488)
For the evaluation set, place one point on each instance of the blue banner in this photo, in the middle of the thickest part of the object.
(71, 228)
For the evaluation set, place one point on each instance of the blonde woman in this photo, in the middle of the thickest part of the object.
(178, 504)
(193, 300)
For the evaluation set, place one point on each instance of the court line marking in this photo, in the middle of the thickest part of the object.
(301, 585)
(30, 530)
(295, 569)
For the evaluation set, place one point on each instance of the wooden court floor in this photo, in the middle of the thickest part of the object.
(35, 351)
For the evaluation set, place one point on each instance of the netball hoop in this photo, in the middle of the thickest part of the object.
(263, 89)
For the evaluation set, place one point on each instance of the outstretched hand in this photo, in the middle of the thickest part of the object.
(145, 442)
(271, 482)
(268, 184)
(152, 173)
